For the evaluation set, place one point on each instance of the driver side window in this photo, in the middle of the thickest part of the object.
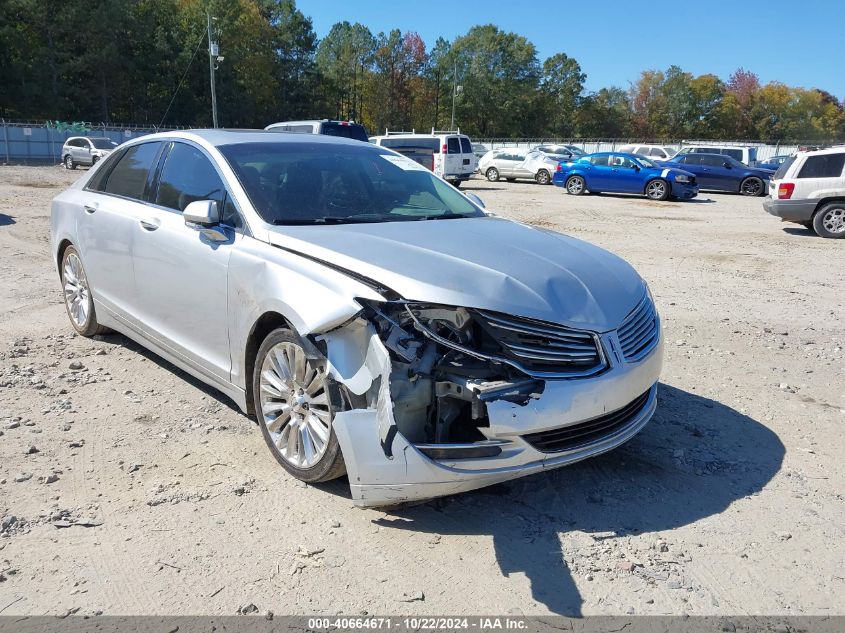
(188, 176)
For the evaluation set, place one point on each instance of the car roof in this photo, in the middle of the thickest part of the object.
(836, 149)
(219, 137)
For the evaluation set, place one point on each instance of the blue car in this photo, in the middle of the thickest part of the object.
(615, 172)
(723, 173)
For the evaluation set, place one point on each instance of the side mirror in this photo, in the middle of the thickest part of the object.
(206, 215)
(475, 199)
(202, 212)
(726, 165)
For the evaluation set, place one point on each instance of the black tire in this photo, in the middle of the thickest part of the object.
(69, 162)
(657, 189)
(94, 160)
(752, 187)
(829, 221)
(544, 177)
(575, 185)
(492, 174)
(456, 184)
(330, 465)
(87, 326)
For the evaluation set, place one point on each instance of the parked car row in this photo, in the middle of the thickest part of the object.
(798, 193)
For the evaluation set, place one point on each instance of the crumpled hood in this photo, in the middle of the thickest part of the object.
(487, 263)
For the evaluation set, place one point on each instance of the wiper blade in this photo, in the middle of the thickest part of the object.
(443, 216)
(331, 219)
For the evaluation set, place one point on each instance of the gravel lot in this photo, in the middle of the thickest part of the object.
(127, 487)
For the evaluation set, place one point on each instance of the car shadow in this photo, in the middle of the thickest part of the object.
(800, 231)
(117, 339)
(695, 458)
(637, 196)
(6, 220)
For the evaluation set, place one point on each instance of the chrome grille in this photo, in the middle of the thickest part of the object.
(579, 435)
(544, 349)
(638, 333)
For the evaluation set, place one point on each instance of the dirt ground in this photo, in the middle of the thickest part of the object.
(127, 487)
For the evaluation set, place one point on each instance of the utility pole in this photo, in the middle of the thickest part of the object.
(212, 57)
(454, 93)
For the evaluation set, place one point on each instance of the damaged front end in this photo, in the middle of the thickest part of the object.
(447, 395)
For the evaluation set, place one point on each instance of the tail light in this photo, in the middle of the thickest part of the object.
(785, 190)
(444, 149)
(432, 163)
(558, 168)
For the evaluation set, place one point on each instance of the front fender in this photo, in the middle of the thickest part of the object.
(312, 297)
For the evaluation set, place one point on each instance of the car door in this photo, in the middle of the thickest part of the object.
(86, 158)
(181, 275)
(624, 175)
(600, 176)
(106, 226)
(718, 174)
(505, 162)
(468, 160)
(692, 164)
(77, 151)
(522, 166)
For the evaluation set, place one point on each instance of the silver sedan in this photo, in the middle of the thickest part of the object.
(374, 320)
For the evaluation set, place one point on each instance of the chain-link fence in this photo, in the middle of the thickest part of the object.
(40, 143)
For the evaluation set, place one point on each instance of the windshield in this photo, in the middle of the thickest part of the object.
(645, 162)
(103, 143)
(318, 183)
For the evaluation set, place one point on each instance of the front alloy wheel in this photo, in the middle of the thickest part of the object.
(492, 174)
(752, 186)
(657, 190)
(295, 409)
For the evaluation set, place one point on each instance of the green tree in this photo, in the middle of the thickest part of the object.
(343, 58)
(500, 75)
(562, 85)
(605, 114)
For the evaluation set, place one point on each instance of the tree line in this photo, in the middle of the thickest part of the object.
(146, 62)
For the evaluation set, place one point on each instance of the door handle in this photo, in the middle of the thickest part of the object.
(90, 208)
(149, 225)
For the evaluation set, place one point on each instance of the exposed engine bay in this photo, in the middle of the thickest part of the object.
(444, 369)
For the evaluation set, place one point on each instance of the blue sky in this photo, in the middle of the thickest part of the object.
(797, 42)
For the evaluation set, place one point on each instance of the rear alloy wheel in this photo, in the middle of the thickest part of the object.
(657, 189)
(752, 186)
(492, 174)
(69, 164)
(294, 404)
(575, 185)
(78, 301)
(829, 221)
(543, 177)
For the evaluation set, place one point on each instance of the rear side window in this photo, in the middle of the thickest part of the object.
(129, 176)
(733, 153)
(691, 159)
(599, 160)
(657, 152)
(453, 145)
(466, 146)
(824, 166)
(784, 167)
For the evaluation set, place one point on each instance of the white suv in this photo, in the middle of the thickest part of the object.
(448, 154)
(809, 189)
